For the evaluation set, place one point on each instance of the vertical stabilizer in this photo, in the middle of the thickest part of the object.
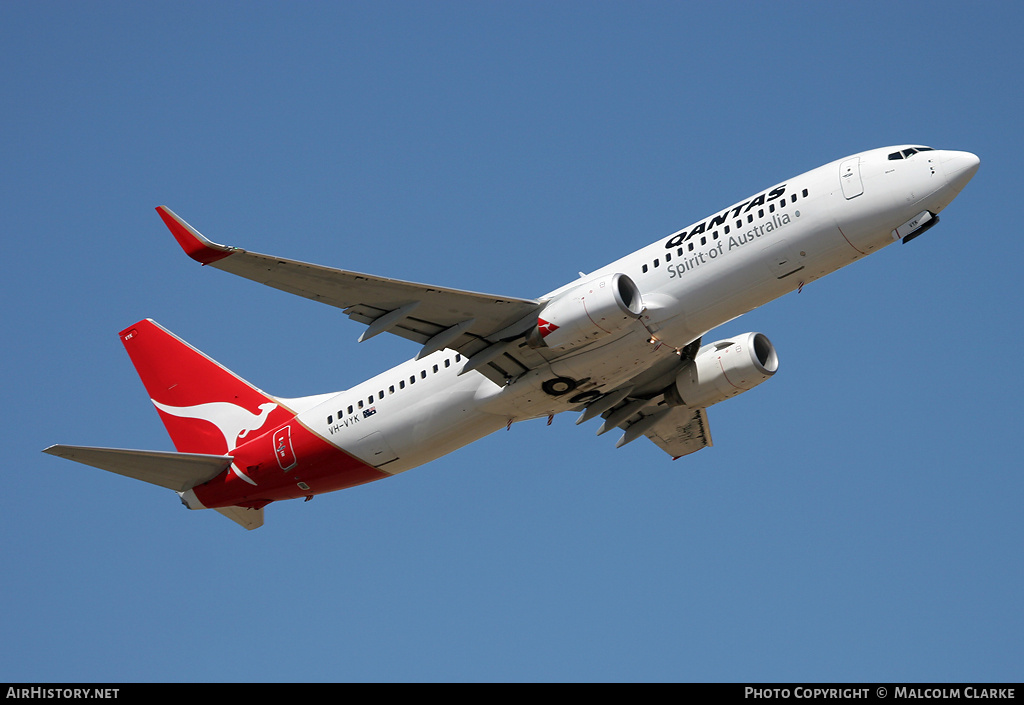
(205, 407)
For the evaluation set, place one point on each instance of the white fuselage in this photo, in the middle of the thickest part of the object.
(693, 281)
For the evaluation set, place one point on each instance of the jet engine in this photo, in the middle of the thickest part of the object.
(724, 369)
(588, 312)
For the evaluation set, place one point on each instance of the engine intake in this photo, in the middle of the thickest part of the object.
(588, 312)
(723, 370)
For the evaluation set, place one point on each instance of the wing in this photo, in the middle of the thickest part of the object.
(677, 430)
(681, 432)
(639, 408)
(476, 325)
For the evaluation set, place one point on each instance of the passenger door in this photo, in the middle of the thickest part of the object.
(849, 177)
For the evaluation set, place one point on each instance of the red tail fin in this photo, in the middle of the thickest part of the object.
(205, 407)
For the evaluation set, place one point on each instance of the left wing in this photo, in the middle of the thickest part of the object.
(677, 430)
(682, 431)
(476, 325)
(639, 408)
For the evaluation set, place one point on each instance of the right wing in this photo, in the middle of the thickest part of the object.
(472, 323)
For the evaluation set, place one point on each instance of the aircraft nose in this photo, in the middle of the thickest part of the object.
(959, 168)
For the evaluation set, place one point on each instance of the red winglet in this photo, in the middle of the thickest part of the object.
(195, 245)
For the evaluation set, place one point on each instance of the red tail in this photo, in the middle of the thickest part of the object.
(205, 407)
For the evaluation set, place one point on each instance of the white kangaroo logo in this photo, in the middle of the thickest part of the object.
(233, 421)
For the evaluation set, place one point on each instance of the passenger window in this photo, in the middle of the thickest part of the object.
(330, 419)
(644, 269)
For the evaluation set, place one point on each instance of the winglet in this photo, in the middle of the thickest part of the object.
(195, 245)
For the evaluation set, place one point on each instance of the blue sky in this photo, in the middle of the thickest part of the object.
(859, 516)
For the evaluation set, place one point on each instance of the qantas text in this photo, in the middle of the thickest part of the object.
(719, 220)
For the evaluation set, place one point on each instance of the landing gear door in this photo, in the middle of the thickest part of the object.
(849, 177)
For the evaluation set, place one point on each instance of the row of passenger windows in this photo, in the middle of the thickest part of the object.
(726, 229)
(392, 389)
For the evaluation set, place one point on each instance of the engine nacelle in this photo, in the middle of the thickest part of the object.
(589, 312)
(724, 369)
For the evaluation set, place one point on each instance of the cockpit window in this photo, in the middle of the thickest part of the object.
(905, 154)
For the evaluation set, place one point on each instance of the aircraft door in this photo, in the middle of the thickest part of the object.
(374, 450)
(849, 177)
(283, 448)
(783, 259)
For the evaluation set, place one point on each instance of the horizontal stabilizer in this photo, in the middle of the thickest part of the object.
(175, 471)
(243, 516)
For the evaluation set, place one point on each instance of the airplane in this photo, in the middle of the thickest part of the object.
(623, 343)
